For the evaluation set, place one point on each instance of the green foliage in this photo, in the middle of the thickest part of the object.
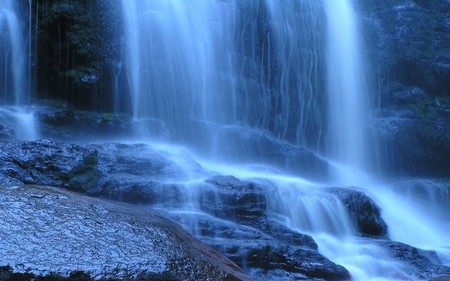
(107, 117)
(437, 101)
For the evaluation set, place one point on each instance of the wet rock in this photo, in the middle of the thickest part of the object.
(6, 133)
(48, 163)
(441, 278)
(245, 202)
(409, 96)
(408, 41)
(263, 246)
(423, 264)
(237, 224)
(230, 198)
(363, 211)
(130, 173)
(265, 255)
(412, 146)
(58, 121)
(66, 232)
(306, 262)
(263, 148)
(141, 174)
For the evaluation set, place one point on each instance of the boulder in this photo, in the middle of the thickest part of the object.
(281, 254)
(235, 219)
(48, 163)
(131, 173)
(363, 211)
(230, 198)
(60, 232)
(423, 264)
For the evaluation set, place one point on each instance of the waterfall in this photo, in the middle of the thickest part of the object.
(15, 70)
(176, 51)
(347, 91)
(13, 55)
(271, 83)
(216, 77)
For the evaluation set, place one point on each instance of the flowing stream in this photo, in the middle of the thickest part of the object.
(232, 80)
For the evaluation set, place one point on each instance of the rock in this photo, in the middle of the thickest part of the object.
(264, 255)
(250, 238)
(441, 278)
(6, 133)
(408, 42)
(237, 224)
(423, 264)
(81, 66)
(259, 146)
(227, 197)
(418, 147)
(57, 231)
(141, 174)
(309, 263)
(58, 121)
(409, 96)
(132, 173)
(363, 211)
(245, 202)
(48, 163)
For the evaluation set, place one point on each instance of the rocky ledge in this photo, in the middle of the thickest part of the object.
(231, 215)
(48, 231)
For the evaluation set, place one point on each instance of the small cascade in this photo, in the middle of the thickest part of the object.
(310, 209)
(15, 83)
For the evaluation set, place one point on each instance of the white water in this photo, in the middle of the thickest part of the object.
(347, 91)
(173, 70)
(198, 70)
(14, 73)
(12, 55)
(22, 120)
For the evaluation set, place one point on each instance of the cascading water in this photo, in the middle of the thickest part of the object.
(13, 56)
(234, 80)
(205, 77)
(14, 81)
(174, 70)
(347, 91)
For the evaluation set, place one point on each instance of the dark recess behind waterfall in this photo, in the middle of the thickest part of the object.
(77, 52)
(80, 38)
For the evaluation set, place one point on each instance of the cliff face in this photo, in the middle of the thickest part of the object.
(408, 41)
(79, 59)
(408, 46)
